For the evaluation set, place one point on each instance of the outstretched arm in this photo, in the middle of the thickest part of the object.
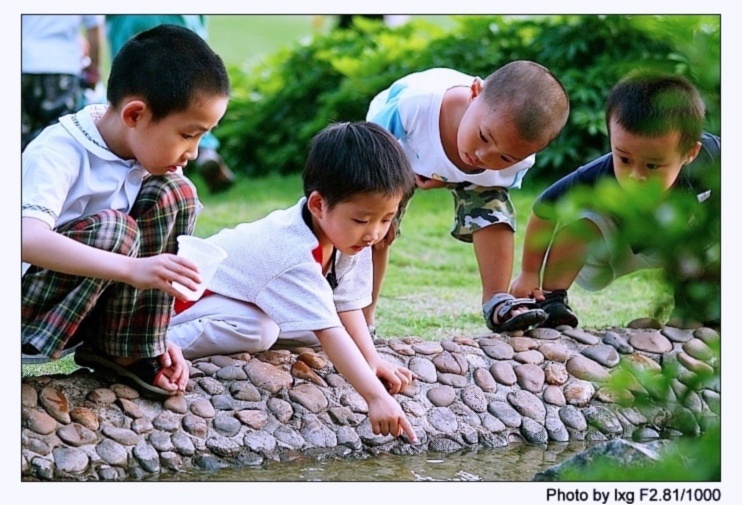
(539, 233)
(385, 414)
(43, 247)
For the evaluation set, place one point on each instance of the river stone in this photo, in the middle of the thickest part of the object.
(453, 380)
(243, 390)
(467, 341)
(227, 425)
(301, 370)
(203, 407)
(483, 378)
(167, 421)
(554, 396)
(43, 468)
(29, 397)
(586, 369)
(544, 333)
(112, 452)
(521, 344)
(76, 435)
(443, 420)
(142, 425)
(527, 404)
(505, 413)
(161, 441)
(401, 348)
(255, 419)
(147, 457)
(603, 419)
(465, 414)
(176, 404)
(289, 436)
(582, 336)
(446, 362)
(38, 446)
(121, 435)
(195, 425)
(496, 349)
(533, 432)
(355, 402)
(677, 334)
(309, 396)
(638, 363)
(650, 341)
(414, 408)
(130, 408)
(611, 394)
(713, 400)
(644, 323)
(572, 417)
(618, 342)
(207, 368)
(492, 424)
(313, 360)
(260, 442)
(444, 445)
(555, 351)
(268, 377)
(698, 349)
(231, 372)
(347, 437)
(503, 373)
(276, 357)
(442, 396)
(555, 374)
(222, 402)
(103, 396)
(685, 422)
(473, 397)
(124, 391)
(556, 430)
(70, 459)
(211, 385)
(282, 409)
(603, 354)
(708, 335)
(424, 369)
(530, 377)
(450, 346)
(411, 390)
(530, 357)
(85, 417)
(578, 392)
(316, 433)
(427, 348)
(56, 404)
(695, 365)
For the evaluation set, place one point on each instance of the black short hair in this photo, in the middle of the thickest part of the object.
(650, 103)
(167, 67)
(346, 159)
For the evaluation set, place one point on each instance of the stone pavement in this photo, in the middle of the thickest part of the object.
(489, 390)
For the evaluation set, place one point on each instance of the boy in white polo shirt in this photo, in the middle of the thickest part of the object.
(302, 275)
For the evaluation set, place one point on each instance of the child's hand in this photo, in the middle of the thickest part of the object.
(428, 183)
(526, 285)
(387, 418)
(395, 378)
(175, 368)
(159, 272)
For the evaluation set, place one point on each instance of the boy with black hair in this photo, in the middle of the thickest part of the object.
(301, 276)
(655, 125)
(102, 205)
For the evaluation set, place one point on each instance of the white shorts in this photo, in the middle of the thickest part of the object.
(604, 263)
(217, 324)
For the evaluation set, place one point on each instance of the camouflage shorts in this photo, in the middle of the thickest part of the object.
(476, 207)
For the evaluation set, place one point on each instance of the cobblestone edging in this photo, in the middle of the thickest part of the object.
(546, 385)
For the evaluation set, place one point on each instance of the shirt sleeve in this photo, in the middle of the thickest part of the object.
(355, 278)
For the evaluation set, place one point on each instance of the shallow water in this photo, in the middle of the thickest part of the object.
(516, 462)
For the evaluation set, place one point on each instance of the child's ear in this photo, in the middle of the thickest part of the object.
(315, 203)
(691, 155)
(476, 88)
(132, 112)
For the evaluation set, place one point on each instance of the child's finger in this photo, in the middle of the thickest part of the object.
(407, 427)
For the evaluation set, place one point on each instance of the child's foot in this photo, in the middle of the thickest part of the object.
(558, 312)
(504, 312)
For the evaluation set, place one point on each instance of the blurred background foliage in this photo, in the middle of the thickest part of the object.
(284, 99)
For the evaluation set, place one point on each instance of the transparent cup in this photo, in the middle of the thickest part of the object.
(206, 256)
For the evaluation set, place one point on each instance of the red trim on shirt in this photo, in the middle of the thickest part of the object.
(181, 305)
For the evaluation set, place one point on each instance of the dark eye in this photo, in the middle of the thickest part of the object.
(482, 137)
(623, 159)
(652, 166)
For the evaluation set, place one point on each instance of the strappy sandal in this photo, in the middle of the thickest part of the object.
(142, 375)
(558, 312)
(500, 305)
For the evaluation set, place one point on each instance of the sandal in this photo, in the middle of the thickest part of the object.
(504, 303)
(142, 375)
(558, 312)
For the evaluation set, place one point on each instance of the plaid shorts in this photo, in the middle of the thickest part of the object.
(476, 207)
(58, 310)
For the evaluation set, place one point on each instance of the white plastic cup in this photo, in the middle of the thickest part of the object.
(206, 256)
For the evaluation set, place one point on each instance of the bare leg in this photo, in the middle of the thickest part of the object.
(380, 259)
(568, 253)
